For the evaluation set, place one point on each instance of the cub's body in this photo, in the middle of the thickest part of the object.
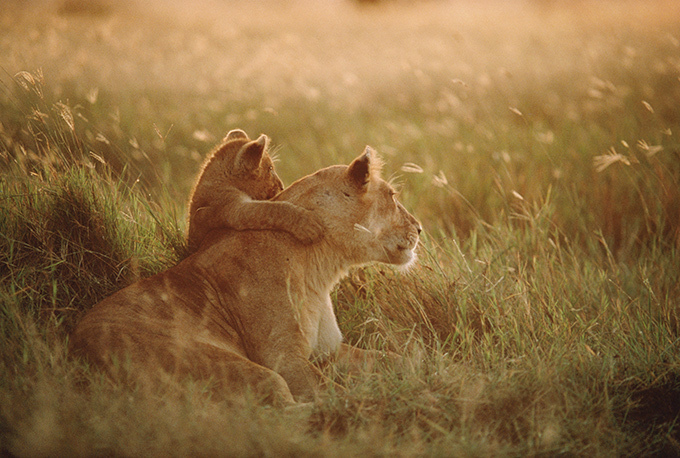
(233, 189)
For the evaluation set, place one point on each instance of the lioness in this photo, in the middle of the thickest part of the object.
(250, 308)
(232, 190)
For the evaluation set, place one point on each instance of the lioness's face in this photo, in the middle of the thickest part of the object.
(396, 230)
(360, 211)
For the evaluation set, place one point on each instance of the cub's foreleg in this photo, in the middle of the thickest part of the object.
(302, 224)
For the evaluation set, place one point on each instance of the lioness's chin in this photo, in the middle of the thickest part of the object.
(404, 258)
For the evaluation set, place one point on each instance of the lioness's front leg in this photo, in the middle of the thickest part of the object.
(280, 345)
(303, 378)
(353, 360)
(234, 375)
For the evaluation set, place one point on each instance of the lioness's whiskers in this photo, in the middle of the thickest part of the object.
(359, 227)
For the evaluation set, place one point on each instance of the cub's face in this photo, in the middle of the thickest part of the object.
(261, 182)
(249, 167)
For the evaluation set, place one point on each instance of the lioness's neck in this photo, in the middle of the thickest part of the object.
(325, 265)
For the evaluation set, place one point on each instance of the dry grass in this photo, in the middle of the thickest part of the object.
(536, 142)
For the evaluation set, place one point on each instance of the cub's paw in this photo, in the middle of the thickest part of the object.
(309, 228)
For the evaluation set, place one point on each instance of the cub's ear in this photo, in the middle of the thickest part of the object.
(249, 156)
(359, 171)
(234, 134)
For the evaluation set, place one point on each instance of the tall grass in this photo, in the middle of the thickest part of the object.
(538, 149)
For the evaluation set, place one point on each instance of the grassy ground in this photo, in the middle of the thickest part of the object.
(537, 144)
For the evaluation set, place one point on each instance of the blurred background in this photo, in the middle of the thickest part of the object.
(536, 141)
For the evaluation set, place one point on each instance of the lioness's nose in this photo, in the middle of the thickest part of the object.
(419, 228)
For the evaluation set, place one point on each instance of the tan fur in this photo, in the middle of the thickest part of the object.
(250, 309)
(232, 191)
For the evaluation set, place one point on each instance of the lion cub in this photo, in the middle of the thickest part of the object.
(232, 192)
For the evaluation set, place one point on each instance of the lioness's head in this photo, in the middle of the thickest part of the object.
(360, 211)
(246, 165)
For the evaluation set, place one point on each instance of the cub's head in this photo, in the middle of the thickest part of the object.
(363, 217)
(244, 164)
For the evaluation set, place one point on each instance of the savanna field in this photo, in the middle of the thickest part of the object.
(537, 143)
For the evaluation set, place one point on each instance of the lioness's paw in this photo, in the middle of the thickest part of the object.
(309, 228)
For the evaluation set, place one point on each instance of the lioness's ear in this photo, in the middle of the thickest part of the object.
(234, 134)
(250, 155)
(359, 171)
